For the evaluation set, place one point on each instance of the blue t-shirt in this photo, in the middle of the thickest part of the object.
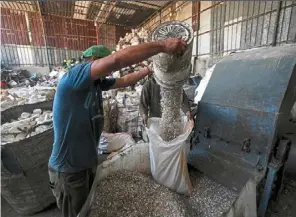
(78, 120)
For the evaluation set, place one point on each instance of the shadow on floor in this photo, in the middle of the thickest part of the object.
(52, 211)
(8, 211)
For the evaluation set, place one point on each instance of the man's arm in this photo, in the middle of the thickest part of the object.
(131, 78)
(135, 54)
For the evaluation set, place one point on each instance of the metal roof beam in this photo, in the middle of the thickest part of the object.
(156, 12)
(106, 15)
(146, 3)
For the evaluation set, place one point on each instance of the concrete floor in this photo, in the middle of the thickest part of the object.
(8, 211)
(52, 211)
(288, 197)
(284, 208)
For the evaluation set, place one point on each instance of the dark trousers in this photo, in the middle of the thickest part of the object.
(71, 189)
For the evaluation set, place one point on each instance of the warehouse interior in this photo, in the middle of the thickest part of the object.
(41, 41)
(44, 34)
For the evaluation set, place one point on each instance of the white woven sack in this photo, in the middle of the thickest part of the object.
(169, 159)
(110, 142)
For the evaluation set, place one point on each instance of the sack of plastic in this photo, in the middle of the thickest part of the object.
(129, 120)
(169, 159)
(110, 115)
(110, 142)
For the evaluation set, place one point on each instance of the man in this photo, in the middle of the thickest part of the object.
(150, 101)
(78, 116)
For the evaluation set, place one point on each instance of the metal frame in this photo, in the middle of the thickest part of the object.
(281, 17)
(255, 18)
(52, 49)
(67, 8)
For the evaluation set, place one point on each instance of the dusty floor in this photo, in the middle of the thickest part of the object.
(285, 207)
(286, 203)
(52, 211)
(7, 211)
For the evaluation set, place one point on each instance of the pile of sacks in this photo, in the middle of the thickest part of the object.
(22, 78)
(129, 69)
(118, 117)
(110, 111)
(121, 111)
(16, 77)
(58, 73)
(26, 95)
(137, 36)
(46, 81)
(129, 119)
(27, 125)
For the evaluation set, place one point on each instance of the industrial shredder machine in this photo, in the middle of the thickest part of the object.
(242, 129)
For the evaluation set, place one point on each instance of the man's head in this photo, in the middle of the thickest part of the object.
(95, 52)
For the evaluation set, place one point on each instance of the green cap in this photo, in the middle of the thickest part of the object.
(97, 51)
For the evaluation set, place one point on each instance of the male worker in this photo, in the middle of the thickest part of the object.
(78, 116)
(150, 101)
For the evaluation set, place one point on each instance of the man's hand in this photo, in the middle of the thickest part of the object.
(174, 46)
(148, 67)
(150, 70)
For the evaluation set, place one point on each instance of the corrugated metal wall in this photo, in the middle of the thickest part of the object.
(180, 10)
(108, 35)
(220, 28)
(69, 33)
(17, 34)
(224, 27)
(29, 39)
(229, 26)
(16, 38)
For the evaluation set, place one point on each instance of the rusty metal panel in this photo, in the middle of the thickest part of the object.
(195, 15)
(14, 28)
(80, 31)
(108, 35)
(33, 37)
(36, 26)
(20, 22)
(120, 32)
(69, 33)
